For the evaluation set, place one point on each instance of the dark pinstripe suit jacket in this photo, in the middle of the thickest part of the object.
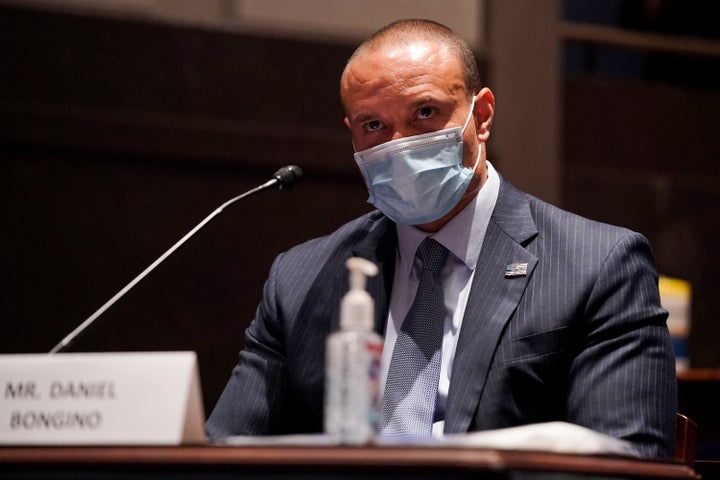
(580, 338)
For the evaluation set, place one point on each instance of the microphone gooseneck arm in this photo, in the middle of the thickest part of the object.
(284, 178)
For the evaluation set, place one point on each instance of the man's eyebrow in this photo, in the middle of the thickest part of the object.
(423, 101)
(430, 99)
(363, 117)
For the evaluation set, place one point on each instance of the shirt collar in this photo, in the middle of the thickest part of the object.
(463, 235)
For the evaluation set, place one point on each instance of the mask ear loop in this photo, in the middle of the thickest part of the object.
(477, 160)
(467, 122)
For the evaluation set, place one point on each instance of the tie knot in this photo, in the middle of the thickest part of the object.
(432, 254)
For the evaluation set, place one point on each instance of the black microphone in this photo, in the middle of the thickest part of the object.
(288, 176)
(284, 179)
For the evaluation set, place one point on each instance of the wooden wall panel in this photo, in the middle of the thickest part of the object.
(117, 137)
(645, 156)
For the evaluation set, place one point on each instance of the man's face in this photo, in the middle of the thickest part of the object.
(398, 91)
(403, 90)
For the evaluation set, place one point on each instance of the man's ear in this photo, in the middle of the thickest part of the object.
(347, 123)
(484, 112)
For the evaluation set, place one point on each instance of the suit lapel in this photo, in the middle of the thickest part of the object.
(379, 246)
(493, 298)
(375, 241)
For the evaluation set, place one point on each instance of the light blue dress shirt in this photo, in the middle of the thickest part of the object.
(463, 236)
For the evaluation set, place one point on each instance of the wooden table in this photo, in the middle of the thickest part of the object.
(347, 463)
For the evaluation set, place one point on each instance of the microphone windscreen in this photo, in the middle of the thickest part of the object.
(288, 176)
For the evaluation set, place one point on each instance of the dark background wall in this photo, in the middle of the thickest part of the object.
(118, 136)
(646, 156)
(640, 144)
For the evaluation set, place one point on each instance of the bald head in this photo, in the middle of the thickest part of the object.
(403, 32)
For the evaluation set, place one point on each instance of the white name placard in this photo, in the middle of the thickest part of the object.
(100, 399)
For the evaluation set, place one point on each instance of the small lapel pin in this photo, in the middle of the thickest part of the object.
(516, 270)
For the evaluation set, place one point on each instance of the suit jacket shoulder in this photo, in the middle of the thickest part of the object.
(277, 385)
(577, 336)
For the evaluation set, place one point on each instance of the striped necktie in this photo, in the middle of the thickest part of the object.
(408, 404)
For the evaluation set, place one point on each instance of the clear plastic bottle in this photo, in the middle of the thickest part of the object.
(353, 364)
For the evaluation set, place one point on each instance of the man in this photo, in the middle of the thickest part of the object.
(547, 316)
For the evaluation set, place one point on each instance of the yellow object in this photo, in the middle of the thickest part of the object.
(675, 297)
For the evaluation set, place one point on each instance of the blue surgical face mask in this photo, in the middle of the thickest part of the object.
(419, 179)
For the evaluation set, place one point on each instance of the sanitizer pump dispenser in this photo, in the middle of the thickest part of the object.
(353, 363)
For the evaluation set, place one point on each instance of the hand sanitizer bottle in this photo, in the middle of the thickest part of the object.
(353, 364)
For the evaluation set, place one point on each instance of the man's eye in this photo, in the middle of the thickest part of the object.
(426, 112)
(373, 126)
